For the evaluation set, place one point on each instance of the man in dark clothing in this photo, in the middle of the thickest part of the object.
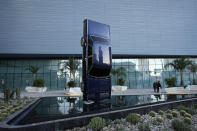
(154, 86)
(158, 86)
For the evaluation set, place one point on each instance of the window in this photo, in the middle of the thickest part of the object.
(99, 59)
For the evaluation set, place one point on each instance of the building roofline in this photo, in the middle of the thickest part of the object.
(65, 56)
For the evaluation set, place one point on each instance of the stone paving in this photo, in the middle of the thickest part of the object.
(128, 92)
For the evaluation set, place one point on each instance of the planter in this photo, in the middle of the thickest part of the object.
(177, 90)
(35, 89)
(73, 91)
(192, 87)
(118, 88)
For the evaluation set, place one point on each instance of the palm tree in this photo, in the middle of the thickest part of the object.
(118, 73)
(72, 65)
(180, 64)
(33, 70)
(193, 69)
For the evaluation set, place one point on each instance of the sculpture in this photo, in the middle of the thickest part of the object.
(97, 61)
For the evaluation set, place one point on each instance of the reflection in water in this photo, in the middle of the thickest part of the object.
(158, 97)
(71, 100)
(54, 107)
(119, 101)
(99, 106)
(73, 110)
(171, 97)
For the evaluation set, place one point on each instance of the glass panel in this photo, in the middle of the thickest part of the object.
(141, 73)
(101, 53)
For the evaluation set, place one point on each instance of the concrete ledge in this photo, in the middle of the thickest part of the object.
(177, 90)
(75, 91)
(31, 89)
(192, 87)
(117, 88)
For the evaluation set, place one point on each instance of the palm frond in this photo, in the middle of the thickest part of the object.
(33, 69)
(192, 67)
(72, 65)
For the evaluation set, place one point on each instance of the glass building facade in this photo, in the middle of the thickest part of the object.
(140, 73)
(160, 28)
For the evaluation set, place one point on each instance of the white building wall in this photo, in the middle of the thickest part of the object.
(138, 27)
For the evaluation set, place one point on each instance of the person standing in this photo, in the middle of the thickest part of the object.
(158, 86)
(154, 86)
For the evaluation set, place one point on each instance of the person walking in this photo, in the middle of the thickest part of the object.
(154, 86)
(158, 86)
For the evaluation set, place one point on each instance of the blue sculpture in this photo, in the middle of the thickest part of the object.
(97, 61)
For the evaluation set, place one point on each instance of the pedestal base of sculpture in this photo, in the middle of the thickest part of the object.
(74, 91)
(36, 89)
(118, 88)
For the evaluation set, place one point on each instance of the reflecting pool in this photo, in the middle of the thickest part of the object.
(51, 108)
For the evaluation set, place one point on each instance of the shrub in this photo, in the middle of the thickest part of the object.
(21, 106)
(121, 81)
(144, 127)
(108, 121)
(152, 113)
(4, 114)
(8, 94)
(5, 104)
(169, 116)
(175, 113)
(160, 119)
(71, 84)
(161, 112)
(169, 111)
(188, 110)
(171, 82)
(181, 108)
(18, 93)
(155, 122)
(191, 111)
(15, 105)
(8, 109)
(12, 111)
(174, 110)
(120, 129)
(133, 118)
(1, 118)
(180, 126)
(117, 121)
(188, 115)
(2, 107)
(39, 82)
(4, 110)
(195, 106)
(182, 112)
(97, 123)
(17, 108)
(188, 120)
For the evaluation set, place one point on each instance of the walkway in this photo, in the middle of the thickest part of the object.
(128, 92)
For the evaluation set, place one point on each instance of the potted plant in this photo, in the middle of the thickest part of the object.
(121, 81)
(72, 65)
(179, 65)
(193, 69)
(119, 74)
(38, 84)
(71, 84)
(171, 82)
